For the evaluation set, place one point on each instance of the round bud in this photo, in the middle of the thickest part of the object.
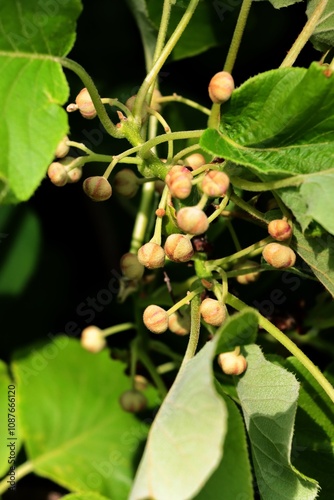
(133, 401)
(213, 312)
(57, 174)
(178, 248)
(74, 174)
(179, 324)
(155, 319)
(92, 339)
(232, 364)
(130, 105)
(245, 279)
(131, 267)
(280, 229)
(215, 183)
(279, 256)
(85, 104)
(62, 148)
(221, 87)
(126, 183)
(151, 255)
(140, 383)
(196, 160)
(97, 188)
(178, 180)
(192, 220)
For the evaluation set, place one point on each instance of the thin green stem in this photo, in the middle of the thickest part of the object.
(185, 152)
(194, 331)
(118, 328)
(153, 73)
(288, 344)
(247, 207)
(151, 368)
(233, 235)
(304, 35)
(158, 223)
(189, 297)
(250, 251)
(143, 215)
(184, 100)
(189, 134)
(163, 26)
(237, 35)
(20, 472)
(267, 186)
(219, 210)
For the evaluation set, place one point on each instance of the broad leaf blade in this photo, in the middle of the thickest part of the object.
(318, 253)
(32, 89)
(185, 441)
(268, 396)
(323, 35)
(79, 437)
(84, 496)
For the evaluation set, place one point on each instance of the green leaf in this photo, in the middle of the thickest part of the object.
(278, 124)
(32, 89)
(20, 250)
(203, 31)
(279, 4)
(323, 35)
(318, 253)
(84, 496)
(232, 479)
(268, 396)
(7, 390)
(240, 329)
(74, 429)
(185, 441)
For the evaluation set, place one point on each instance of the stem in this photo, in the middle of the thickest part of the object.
(194, 331)
(218, 211)
(169, 137)
(237, 35)
(233, 235)
(250, 251)
(153, 73)
(150, 367)
(145, 207)
(189, 297)
(162, 29)
(246, 207)
(20, 472)
(184, 100)
(288, 344)
(118, 328)
(304, 35)
(156, 238)
(267, 186)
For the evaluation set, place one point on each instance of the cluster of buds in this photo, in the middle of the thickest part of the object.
(232, 363)
(62, 172)
(83, 103)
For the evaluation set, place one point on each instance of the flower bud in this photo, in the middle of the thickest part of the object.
(140, 382)
(74, 174)
(278, 255)
(85, 104)
(57, 174)
(155, 319)
(178, 180)
(192, 220)
(126, 183)
(179, 324)
(178, 248)
(130, 103)
(221, 87)
(245, 279)
(151, 255)
(97, 188)
(196, 160)
(92, 339)
(62, 148)
(213, 312)
(279, 229)
(130, 266)
(215, 183)
(133, 401)
(231, 363)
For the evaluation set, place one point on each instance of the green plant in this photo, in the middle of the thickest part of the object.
(259, 161)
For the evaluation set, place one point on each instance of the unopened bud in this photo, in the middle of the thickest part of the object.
(155, 319)
(245, 279)
(131, 267)
(178, 180)
(62, 148)
(151, 255)
(85, 104)
(179, 324)
(92, 339)
(221, 87)
(57, 174)
(97, 188)
(279, 229)
(178, 248)
(195, 161)
(213, 312)
(133, 401)
(126, 183)
(279, 256)
(192, 220)
(231, 363)
(215, 183)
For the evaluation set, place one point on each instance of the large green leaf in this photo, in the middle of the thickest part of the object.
(32, 89)
(20, 250)
(318, 253)
(278, 4)
(268, 396)
(186, 438)
(84, 496)
(278, 124)
(74, 429)
(323, 35)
